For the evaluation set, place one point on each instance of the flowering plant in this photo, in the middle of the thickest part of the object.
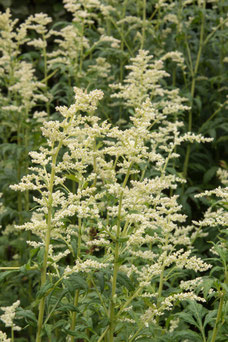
(140, 244)
(104, 239)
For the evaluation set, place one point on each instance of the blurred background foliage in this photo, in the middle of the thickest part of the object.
(23, 8)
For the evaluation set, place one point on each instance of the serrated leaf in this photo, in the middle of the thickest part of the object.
(26, 314)
(77, 334)
(44, 289)
(210, 318)
(59, 324)
(189, 335)
(48, 328)
(67, 307)
(123, 280)
(76, 282)
(207, 285)
(188, 318)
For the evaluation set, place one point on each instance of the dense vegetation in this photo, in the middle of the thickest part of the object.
(113, 171)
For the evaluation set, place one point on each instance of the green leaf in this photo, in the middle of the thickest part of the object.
(188, 318)
(210, 318)
(101, 280)
(207, 285)
(44, 289)
(33, 252)
(75, 282)
(123, 280)
(222, 139)
(209, 174)
(77, 334)
(144, 339)
(72, 177)
(4, 275)
(198, 102)
(29, 316)
(48, 328)
(61, 323)
(40, 256)
(67, 307)
(189, 335)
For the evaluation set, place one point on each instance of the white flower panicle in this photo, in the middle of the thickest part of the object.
(9, 314)
(3, 337)
(85, 266)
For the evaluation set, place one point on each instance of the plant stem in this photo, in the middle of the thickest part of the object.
(46, 76)
(76, 295)
(161, 283)
(116, 262)
(9, 268)
(129, 301)
(144, 24)
(219, 313)
(137, 332)
(103, 334)
(12, 334)
(47, 243)
(19, 195)
(194, 73)
(81, 48)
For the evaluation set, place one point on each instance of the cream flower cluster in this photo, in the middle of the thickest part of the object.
(3, 337)
(73, 43)
(9, 314)
(24, 88)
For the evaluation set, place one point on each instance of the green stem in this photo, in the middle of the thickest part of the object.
(212, 115)
(73, 320)
(214, 31)
(9, 268)
(129, 301)
(81, 48)
(12, 334)
(137, 332)
(76, 295)
(116, 261)
(47, 243)
(122, 36)
(26, 144)
(201, 43)
(100, 297)
(103, 334)
(46, 76)
(19, 195)
(161, 282)
(144, 24)
(122, 49)
(94, 163)
(219, 313)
